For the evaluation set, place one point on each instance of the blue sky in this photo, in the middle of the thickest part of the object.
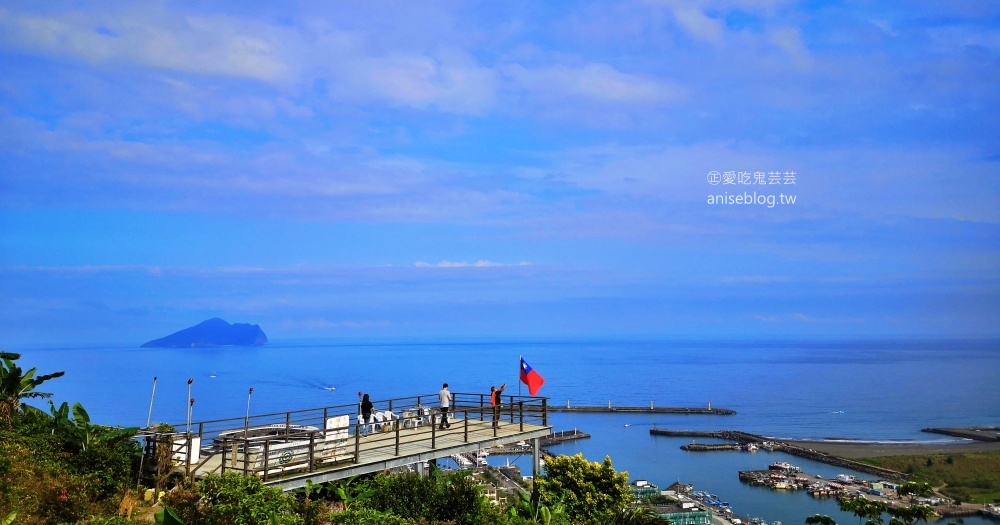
(500, 169)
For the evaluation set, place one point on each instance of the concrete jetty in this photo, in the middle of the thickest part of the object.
(989, 434)
(643, 409)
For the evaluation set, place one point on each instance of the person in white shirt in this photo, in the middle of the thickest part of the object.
(444, 396)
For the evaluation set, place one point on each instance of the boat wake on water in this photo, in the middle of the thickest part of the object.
(310, 383)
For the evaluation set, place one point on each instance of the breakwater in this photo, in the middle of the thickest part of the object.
(788, 448)
(988, 434)
(697, 447)
(651, 409)
(524, 448)
(562, 436)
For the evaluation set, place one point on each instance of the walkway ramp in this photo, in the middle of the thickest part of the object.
(327, 444)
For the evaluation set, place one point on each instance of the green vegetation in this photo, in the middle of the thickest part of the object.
(590, 491)
(973, 477)
(57, 468)
(820, 519)
(232, 499)
(16, 386)
(872, 510)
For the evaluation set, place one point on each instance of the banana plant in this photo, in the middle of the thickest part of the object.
(166, 516)
(17, 385)
(88, 434)
(554, 514)
(351, 495)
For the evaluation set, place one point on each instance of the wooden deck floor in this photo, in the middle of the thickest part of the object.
(378, 451)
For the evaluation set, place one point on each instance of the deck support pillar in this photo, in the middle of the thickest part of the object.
(536, 466)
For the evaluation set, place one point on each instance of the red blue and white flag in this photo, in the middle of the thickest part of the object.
(531, 378)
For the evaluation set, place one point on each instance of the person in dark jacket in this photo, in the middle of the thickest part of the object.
(366, 413)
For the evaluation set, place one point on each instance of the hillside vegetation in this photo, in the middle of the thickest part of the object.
(972, 477)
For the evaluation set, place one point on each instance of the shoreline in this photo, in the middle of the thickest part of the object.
(861, 449)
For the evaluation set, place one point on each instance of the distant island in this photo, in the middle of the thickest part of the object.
(213, 332)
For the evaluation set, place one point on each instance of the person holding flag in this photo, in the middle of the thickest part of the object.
(496, 402)
(531, 378)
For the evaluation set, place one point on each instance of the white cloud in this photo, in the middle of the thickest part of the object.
(482, 263)
(594, 82)
(154, 38)
(697, 23)
(789, 40)
(419, 81)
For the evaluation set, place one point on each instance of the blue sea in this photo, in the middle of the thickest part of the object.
(880, 390)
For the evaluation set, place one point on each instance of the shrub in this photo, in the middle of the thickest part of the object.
(439, 498)
(590, 491)
(364, 516)
(232, 499)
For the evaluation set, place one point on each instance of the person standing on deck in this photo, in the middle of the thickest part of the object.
(444, 396)
(366, 413)
(495, 402)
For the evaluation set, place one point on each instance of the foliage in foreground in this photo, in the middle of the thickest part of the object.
(438, 498)
(232, 499)
(18, 385)
(590, 491)
(55, 468)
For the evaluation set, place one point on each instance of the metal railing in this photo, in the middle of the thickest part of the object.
(272, 445)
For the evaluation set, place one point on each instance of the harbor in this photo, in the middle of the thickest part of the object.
(746, 441)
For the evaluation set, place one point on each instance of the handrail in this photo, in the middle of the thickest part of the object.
(389, 403)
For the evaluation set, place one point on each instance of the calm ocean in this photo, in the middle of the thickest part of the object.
(858, 390)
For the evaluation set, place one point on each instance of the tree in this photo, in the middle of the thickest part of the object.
(820, 519)
(17, 385)
(639, 515)
(914, 488)
(590, 491)
(864, 508)
(910, 515)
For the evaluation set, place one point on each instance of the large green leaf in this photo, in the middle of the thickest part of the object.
(80, 416)
(166, 516)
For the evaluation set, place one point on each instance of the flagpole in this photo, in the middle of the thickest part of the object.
(520, 360)
(149, 417)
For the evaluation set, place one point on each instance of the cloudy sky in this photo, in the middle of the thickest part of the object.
(494, 169)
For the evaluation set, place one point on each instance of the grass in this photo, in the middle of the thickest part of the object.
(973, 477)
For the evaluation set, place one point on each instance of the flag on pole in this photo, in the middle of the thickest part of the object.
(531, 378)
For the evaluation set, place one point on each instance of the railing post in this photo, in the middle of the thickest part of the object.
(357, 442)
(397, 425)
(390, 405)
(222, 468)
(288, 425)
(312, 449)
(201, 430)
(466, 426)
(187, 460)
(246, 456)
(326, 415)
(511, 405)
(433, 432)
(520, 409)
(267, 453)
(545, 412)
